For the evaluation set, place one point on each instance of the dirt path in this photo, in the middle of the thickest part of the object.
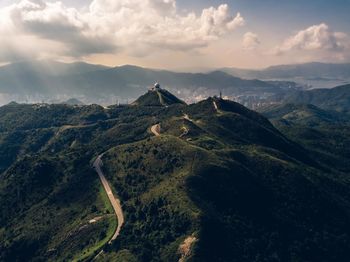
(185, 131)
(215, 106)
(156, 129)
(161, 100)
(114, 201)
(186, 247)
(187, 117)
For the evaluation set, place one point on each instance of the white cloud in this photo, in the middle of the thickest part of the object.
(315, 38)
(250, 41)
(135, 27)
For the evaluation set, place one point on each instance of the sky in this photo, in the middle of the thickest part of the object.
(176, 34)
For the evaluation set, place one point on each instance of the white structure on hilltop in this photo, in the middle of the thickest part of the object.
(155, 87)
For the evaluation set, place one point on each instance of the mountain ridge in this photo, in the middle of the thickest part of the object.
(337, 98)
(26, 82)
(218, 173)
(295, 70)
(309, 75)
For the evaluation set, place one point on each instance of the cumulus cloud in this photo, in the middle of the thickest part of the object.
(315, 38)
(135, 27)
(250, 41)
(47, 28)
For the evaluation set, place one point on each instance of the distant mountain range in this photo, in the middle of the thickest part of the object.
(73, 102)
(49, 81)
(316, 74)
(303, 114)
(337, 99)
(52, 81)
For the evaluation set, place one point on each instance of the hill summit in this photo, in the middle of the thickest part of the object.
(157, 96)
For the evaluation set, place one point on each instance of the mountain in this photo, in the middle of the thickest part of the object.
(157, 97)
(303, 113)
(43, 81)
(307, 70)
(337, 98)
(49, 68)
(326, 133)
(73, 101)
(210, 181)
(39, 81)
(317, 75)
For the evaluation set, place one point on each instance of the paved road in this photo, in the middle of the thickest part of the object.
(156, 129)
(114, 201)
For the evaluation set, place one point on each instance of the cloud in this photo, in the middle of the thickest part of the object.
(55, 23)
(315, 38)
(135, 27)
(250, 41)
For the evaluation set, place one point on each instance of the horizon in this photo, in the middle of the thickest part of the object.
(169, 34)
(183, 69)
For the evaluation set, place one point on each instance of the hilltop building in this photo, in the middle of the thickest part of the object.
(156, 87)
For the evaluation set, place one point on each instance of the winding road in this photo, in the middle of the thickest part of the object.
(114, 201)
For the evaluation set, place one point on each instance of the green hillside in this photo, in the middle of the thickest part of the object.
(158, 97)
(303, 114)
(220, 183)
(325, 132)
(337, 98)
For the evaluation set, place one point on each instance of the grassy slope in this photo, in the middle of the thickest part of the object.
(256, 197)
(337, 98)
(159, 97)
(325, 133)
(92, 251)
(150, 182)
(63, 231)
(52, 206)
(234, 181)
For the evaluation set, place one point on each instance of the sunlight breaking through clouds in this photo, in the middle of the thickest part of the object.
(134, 27)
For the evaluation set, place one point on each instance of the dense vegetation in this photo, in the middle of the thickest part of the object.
(224, 177)
(337, 99)
(326, 133)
